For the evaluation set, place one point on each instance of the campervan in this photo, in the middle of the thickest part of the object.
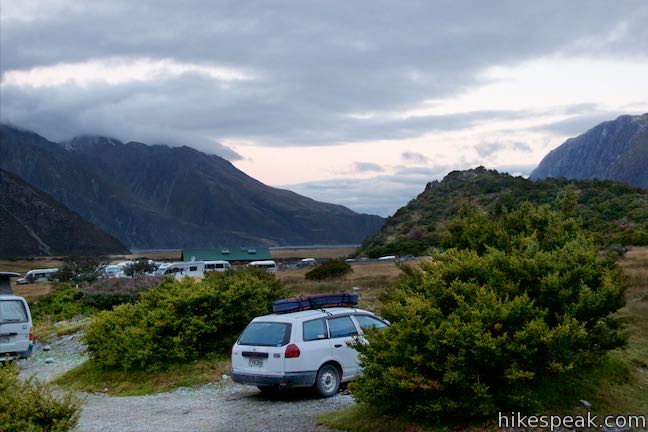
(269, 265)
(218, 266)
(181, 269)
(37, 275)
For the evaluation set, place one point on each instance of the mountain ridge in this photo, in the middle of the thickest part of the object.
(33, 223)
(612, 150)
(164, 197)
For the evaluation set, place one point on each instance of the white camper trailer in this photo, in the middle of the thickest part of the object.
(218, 266)
(181, 269)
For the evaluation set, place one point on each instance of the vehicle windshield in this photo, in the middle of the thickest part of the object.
(12, 311)
(266, 334)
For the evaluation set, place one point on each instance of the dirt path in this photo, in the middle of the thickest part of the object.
(213, 407)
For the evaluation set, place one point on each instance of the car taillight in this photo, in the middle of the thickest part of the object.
(292, 351)
(31, 334)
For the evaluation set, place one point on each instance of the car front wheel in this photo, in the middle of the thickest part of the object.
(328, 381)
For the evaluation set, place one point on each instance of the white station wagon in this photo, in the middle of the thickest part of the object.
(307, 348)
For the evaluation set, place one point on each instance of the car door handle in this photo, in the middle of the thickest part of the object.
(338, 345)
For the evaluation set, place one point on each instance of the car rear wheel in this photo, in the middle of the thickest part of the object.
(327, 383)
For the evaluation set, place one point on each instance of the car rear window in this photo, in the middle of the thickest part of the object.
(266, 334)
(12, 311)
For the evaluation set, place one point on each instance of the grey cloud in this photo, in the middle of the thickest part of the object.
(580, 123)
(317, 62)
(414, 157)
(487, 149)
(522, 147)
(367, 167)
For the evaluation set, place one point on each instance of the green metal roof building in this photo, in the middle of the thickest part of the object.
(227, 254)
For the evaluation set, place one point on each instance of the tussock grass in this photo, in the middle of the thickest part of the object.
(87, 377)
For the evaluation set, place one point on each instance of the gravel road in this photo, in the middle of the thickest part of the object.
(214, 407)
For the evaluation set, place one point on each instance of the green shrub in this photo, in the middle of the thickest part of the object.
(29, 406)
(477, 330)
(181, 320)
(63, 303)
(328, 270)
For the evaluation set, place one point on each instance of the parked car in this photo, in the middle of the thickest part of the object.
(307, 348)
(16, 329)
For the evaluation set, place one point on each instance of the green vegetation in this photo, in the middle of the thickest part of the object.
(80, 269)
(613, 213)
(67, 301)
(29, 406)
(180, 321)
(486, 328)
(334, 268)
(88, 377)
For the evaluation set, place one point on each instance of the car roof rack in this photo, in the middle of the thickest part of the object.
(318, 301)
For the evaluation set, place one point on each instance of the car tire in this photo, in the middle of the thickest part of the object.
(327, 383)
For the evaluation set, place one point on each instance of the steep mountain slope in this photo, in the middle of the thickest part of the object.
(32, 223)
(614, 150)
(168, 197)
(612, 212)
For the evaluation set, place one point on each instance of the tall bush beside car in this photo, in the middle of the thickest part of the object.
(475, 331)
(181, 320)
(30, 406)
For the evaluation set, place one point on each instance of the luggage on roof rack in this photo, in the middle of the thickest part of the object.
(318, 301)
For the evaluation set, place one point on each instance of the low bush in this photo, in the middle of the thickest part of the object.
(64, 302)
(181, 320)
(104, 294)
(139, 267)
(328, 270)
(478, 330)
(29, 406)
(67, 301)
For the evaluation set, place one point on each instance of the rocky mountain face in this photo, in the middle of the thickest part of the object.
(172, 197)
(32, 223)
(613, 150)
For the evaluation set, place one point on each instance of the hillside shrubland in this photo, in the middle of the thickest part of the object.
(613, 213)
(179, 321)
(517, 300)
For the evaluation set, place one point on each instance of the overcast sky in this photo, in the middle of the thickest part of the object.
(359, 103)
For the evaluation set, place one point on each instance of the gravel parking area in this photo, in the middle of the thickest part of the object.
(213, 407)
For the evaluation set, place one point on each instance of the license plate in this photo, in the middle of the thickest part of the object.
(255, 363)
(4, 339)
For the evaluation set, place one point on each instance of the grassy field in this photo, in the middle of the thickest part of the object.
(618, 385)
(370, 279)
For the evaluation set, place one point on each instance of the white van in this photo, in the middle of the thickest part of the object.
(16, 329)
(37, 275)
(181, 269)
(269, 265)
(218, 266)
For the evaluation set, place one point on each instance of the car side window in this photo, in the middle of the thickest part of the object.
(315, 330)
(368, 322)
(342, 327)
